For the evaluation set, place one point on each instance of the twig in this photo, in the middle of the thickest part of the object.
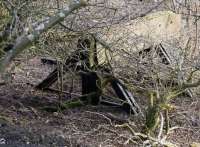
(146, 137)
(102, 115)
(161, 126)
(167, 121)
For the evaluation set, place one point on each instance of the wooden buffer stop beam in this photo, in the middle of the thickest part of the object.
(80, 61)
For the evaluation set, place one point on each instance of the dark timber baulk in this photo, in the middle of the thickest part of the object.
(81, 61)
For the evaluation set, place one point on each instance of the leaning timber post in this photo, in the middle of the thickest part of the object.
(90, 90)
(24, 41)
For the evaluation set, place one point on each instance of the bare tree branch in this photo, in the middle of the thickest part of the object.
(24, 41)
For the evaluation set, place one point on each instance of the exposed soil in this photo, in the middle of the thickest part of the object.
(24, 122)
